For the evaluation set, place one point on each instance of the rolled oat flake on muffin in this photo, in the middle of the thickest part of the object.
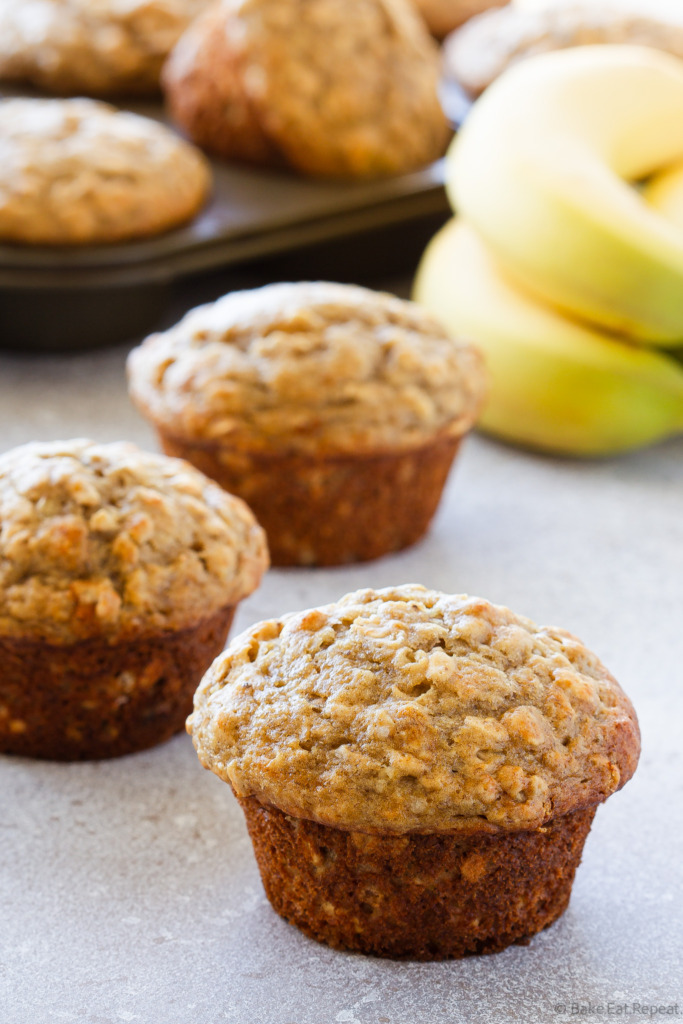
(91, 47)
(323, 87)
(418, 771)
(80, 172)
(334, 411)
(119, 575)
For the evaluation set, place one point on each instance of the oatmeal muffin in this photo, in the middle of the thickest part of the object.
(324, 87)
(483, 48)
(79, 172)
(91, 47)
(418, 771)
(119, 575)
(444, 16)
(334, 411)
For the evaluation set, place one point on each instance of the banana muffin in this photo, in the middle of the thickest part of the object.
(482, 49)
(324, 87)
(119, 575)
(334, 411)
(418, 771)
(91, 47)
(80, 172)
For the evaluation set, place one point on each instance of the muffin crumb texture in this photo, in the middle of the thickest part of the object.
(95, 47)
(108, 541)
(76, 172)
(409, 710)
(325, 87)
(318, 367)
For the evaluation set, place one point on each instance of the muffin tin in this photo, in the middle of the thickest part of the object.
(57, 298)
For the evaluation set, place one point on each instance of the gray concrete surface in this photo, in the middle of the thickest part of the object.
(128, 890)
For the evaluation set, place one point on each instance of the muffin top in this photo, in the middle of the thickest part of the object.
(409, 710)
(339, 89)
(94, 47)
(81, 172)
(318, 367)
(106, 539)
(484, 47)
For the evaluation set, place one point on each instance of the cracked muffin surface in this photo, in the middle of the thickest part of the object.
(310, 367)
(406, 710)
(326, 87)
(76, 172)
(106, 540)
(94, 47)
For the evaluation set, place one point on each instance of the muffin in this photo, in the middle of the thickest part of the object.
(79, 172)
(325, 88)
(334, 411)
(119, 575)
(444, 16)
(418, 771)
(482, 49)
(97, 48)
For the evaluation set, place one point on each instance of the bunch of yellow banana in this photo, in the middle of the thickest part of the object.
(567, 273)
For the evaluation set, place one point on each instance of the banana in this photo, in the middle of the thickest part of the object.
(542, 168)
(664, 193)
(556, 385)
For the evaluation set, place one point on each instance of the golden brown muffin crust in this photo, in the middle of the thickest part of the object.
(208, 96)
(313, 367)
(78, 172)
(336, 89)
(108, 540)
(94, 47)
(409, 710)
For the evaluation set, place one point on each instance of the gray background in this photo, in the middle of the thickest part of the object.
(128, 890)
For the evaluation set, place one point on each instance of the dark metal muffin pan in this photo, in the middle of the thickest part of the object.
(54, 298)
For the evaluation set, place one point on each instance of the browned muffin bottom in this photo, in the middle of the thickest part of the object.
(417, 896)
(95, 699)
(330, 511)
